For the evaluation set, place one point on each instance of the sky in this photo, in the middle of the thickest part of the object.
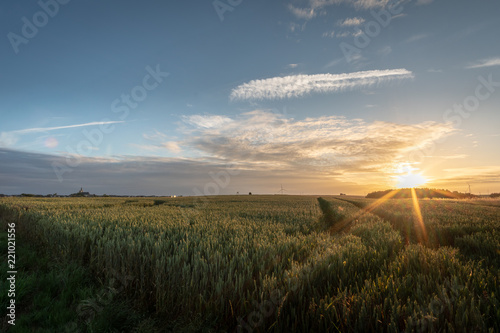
(235, 96)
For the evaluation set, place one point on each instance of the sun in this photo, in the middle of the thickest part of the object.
(408, 177)
(410, 180)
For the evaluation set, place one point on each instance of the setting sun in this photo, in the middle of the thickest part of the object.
(410, 180)
(408, 176)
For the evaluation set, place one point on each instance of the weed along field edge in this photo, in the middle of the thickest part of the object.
(275, 263)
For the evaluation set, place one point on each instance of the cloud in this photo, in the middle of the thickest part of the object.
(124, 175)
(451, 157)
(300, 85)
(154, 137)
(351, 22)
(384, 51)
(10, 138)
(264, 147)
(313, 7)
(207, 121)
(146, 147)
(7, 139)
(329, 34)
(46, 129)
(330, 145)
(292, 65)
(485, 63)
(302, 13)
(172, 146)
(472, 175)
(415, 38)
(334, 62)
(25, 172)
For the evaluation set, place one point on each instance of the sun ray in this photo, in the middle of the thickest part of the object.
(370, 207)
(417, 213)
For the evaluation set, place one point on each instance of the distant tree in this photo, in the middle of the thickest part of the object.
(495, 195)
(249, 193)
(422, 193)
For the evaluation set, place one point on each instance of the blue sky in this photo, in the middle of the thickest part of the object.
(219, 97)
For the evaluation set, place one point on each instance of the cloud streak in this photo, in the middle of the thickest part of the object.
(10, 138)
(313, 7)
(300, 85)
(46, 129)
(485, 63)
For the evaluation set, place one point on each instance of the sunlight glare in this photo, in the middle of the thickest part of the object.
(407, 177)
(410, 180)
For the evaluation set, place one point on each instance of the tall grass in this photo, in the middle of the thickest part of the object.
(214, 265)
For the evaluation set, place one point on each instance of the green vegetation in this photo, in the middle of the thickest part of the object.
(261, 264)
(50, 296)
(422, 193)
(332, 219)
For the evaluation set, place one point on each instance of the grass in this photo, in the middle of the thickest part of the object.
(49, 294)
(332, 220)
(255, 263)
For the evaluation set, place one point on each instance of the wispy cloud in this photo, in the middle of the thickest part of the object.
(351, 22)
(172, 146)
(10, 138)
(415, 38)
(485, 63)
(334, 62)
(473, 175)
(300, 85)
(313, 7)
(302, 13)
(330, 34)
(207, 121)
(47, 129)
(451, 157)
(384, 51)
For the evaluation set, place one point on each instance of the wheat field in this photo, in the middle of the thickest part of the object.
(275, 264)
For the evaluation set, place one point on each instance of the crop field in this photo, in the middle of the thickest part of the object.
(281, 263)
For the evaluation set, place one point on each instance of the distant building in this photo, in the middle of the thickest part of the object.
(81, 193)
